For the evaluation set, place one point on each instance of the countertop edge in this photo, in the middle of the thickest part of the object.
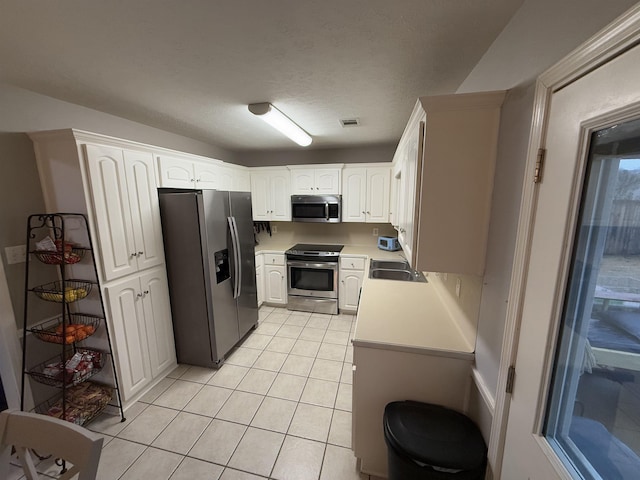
(417, 350)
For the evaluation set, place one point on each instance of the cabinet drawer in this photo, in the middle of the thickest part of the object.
(352, 263)
(273, 259)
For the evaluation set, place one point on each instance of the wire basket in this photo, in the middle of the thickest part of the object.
(78, 367)
(57, 258)
(83, 403)
(78, 326)
(73, 291)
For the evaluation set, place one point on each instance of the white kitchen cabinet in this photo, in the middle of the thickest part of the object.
(366, 194)
(260, 278)
(409, 158)
(271, 195)
(140, 316)
(275, 278)
(382, 375)
(315, 181)
(447, 158)
(176, 172)
(125, 202)
(351, 276)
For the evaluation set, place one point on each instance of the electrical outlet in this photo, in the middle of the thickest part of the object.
(375, 232)
(274, 229)
(458, 286)
(17, 254)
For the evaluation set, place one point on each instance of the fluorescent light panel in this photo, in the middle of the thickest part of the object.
(281, 122)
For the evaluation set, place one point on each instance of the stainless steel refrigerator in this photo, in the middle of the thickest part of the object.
(209, 249)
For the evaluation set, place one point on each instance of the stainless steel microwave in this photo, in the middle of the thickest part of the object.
(316, 208)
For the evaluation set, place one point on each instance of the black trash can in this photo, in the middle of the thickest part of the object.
(431, 442)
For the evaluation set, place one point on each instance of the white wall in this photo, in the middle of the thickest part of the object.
(540, 34)
(372, 153)
(25, 111)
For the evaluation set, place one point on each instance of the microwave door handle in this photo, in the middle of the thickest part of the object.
(326, 210)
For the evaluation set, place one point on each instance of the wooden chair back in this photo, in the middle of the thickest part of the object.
(79, 447)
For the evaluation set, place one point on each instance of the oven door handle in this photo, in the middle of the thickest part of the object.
(323, 265)
(326, 210)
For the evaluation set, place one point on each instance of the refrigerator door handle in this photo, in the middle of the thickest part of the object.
(236, 256)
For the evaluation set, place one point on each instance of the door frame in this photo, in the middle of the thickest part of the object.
(616, 38)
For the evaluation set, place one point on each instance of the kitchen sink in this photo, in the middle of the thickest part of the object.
(394, 270)
(390, 264)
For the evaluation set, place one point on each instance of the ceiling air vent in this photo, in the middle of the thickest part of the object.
(350, 122)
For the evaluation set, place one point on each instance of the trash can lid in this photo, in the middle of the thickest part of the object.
(434, 435)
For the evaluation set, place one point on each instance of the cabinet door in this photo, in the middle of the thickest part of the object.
(378, 194)
(354, 195)
(276, 284)
(112, 211)
(350, 285)
(225, 179)
(125, 304)
(409, 178)
(303, 181)
(260, 285)
(327, 181)
(157, 317)
(145, 210)
(280, 193)
(206, 175)
(260, 196)
(175, 172)
(241, 180)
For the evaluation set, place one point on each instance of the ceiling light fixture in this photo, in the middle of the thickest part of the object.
(281, 122)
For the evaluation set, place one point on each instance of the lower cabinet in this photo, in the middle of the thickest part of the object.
(140, 314)
(259, 278)
(275, 277)
(382, 375)
(351, 277)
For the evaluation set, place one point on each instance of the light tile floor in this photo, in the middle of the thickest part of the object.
(279, 408)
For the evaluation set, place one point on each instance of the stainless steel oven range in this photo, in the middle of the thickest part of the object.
(312, 277)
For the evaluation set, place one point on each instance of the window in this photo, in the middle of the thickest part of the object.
(593, 412)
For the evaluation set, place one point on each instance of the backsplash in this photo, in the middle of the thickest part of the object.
(465, 307)
(290, 233)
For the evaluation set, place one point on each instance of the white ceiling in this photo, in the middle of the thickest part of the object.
(192, 66)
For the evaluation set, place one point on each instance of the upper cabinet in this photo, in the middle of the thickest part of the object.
(127, 215)
(315, 181)
(175, 172)
(271, 194)
(444, 165)
(365, 194)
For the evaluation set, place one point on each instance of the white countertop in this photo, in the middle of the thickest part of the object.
(406, 316)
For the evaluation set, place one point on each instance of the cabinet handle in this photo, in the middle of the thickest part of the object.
(134, 254)
(198, 179)
(192, 180)
(368, 213)
(140, 253)
(363, 212)
(146, 292)
(353, 266)
(140, 295)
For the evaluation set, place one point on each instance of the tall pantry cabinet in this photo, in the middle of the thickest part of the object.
(114, 183)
